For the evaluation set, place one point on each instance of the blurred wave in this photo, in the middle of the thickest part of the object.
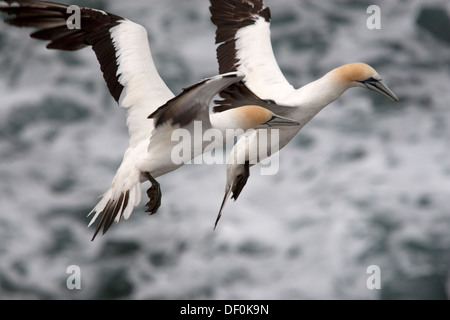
(365, 183)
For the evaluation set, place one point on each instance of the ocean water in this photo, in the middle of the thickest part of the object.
(365, 183)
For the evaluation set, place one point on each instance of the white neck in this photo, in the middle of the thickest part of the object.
(318, 94)
(310, 99)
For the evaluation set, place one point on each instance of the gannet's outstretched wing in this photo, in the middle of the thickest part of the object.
(121, 47)
(243, 35)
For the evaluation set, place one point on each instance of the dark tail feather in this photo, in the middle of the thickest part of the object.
(236, 189)
(109, 214)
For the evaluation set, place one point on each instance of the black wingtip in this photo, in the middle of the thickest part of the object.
(51, 21)
(229, 17)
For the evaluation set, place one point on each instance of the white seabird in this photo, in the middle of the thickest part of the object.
(123, 51)
(243, 38)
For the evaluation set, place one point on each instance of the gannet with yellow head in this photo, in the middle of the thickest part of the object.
(362, 75)
(243, 38)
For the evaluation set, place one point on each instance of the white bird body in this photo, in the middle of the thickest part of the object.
(243, 35)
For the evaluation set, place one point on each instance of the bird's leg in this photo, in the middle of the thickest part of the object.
(154, 193)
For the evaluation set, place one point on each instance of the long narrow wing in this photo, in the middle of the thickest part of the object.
(121, 47)
(193, 103)
(189, 106)
(243, 35)
(238, 95)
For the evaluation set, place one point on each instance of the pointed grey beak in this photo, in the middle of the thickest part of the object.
(380, 87)
(278, 121)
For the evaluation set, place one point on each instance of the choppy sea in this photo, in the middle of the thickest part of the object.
(365, 183)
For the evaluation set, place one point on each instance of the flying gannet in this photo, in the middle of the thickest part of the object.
(243, 38)
(153, 113)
